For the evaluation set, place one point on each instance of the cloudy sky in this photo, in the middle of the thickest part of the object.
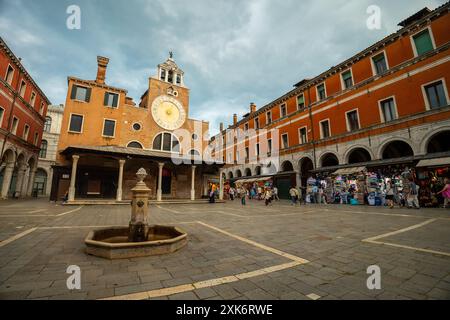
(233, 51)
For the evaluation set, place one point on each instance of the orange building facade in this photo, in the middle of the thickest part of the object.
(106, 138)
(385, 106)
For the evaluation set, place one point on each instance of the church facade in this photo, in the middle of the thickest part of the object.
(106, 137)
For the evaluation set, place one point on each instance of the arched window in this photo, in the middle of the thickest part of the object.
(166, 142)
(43, 152)
(135, 144)
(48, 124)
(194, 153)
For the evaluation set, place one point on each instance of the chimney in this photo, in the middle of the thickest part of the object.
(234, 119)
(221, 126)
(252, 107)
(102, 63)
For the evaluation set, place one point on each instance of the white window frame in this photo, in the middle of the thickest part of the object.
(287, 135)
(413, 44)
(259, 123)
(14, 130)
(103, 128)
(424, 93)
(348, 123)
(296, 100)
(70, 120)
(300, 135)
(26, 132)
(2, 115)
(281, 108)
(6, 75)
(32, 103)
(237, 156)
(79, 86)
(41, 109)
(317, 92)
(142, 145)
(36, 138)
(267, 117)
(24, 88)
(321, 129)
(374, 69)
(380, 108)
(342, 79)
(118, 99)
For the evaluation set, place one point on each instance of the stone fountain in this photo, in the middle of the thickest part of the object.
(139, 239)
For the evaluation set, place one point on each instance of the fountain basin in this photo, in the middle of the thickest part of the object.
(112, 243)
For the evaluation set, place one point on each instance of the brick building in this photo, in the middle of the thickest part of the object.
(386, 106)
(106, 137)
(23, 107)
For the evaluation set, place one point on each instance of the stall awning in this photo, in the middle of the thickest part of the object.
(434, 162)
(250, 180)
(346, 171)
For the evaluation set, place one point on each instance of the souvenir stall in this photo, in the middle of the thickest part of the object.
(430, 176)
(350, 185)
(310, 184)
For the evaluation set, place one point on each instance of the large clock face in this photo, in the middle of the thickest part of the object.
(168, 113)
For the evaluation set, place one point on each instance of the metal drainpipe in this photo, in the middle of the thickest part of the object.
(312, 128)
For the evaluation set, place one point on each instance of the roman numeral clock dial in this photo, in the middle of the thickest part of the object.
(168, 113)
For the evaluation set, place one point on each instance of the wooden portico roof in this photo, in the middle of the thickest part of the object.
(122, 152)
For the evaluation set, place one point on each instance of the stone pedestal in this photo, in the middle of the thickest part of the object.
(139, 210)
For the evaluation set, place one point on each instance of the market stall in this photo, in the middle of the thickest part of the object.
(430, 175)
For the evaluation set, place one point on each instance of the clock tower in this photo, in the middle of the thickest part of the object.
(168, 97)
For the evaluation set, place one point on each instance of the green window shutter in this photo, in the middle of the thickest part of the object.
(116, 100)
(73, 94)
(88, 94)
(423, 42)
(105, 100)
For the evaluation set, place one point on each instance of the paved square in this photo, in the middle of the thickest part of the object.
(234, 252)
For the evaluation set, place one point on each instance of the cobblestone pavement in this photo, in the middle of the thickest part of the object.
(234, 252)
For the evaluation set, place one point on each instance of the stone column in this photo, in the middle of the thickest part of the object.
(221, 185)
(7, 176)
(159, 190)
(20, 178)
(120, 182)
(73, 177)
(31, 181)
(26, 178)
(193, 183)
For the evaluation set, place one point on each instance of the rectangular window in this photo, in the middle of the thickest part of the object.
(388, 110)
(23, 87)
(301, 102)
(423, 42)
(15, 124)
(269, 146)
(246, 127)
(36, 138)
(246, 153)
(352, 120)
(283, 111)
(269, 117)
(41, 109)
(33, 99)
(257, 149)
(109, 127)
(81, 93)
(76, 123)
(303, 136)
(285, 140)
(321, 94)
(379, 63)
(2, 112)
(325, 129)
(256, 123)
(347, 79)
(163, 75)
(178, 79)
(111, 100)
(9, 75)
(26, 131)
(436, 96)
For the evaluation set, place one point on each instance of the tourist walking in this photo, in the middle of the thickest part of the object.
(268, 196)
(446, 192)
(294, 195)
(390, 194)
(231, 193)
(275, 194)
(412, 196)
(315, 194)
